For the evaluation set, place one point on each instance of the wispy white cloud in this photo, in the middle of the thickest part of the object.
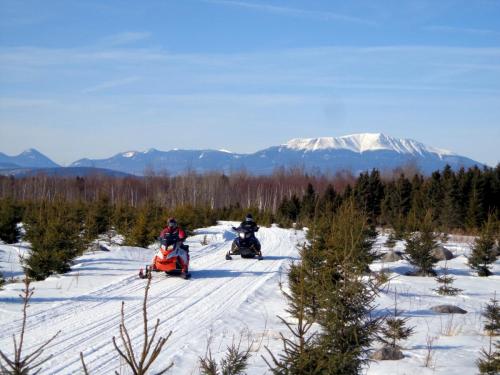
(110, 84)
(294, 12)
(307, 71)
(463, 30)
(125, 38)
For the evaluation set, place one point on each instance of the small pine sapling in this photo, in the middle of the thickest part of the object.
(492, 315)
(234, 363)
(395, 329)
(483, 251)
(444, 237)
(390, 243)
(419, 248)
(445, 282)
(489, 361)
(296, 357)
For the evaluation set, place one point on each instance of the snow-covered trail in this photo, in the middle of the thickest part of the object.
(222, 298)
(226, 300)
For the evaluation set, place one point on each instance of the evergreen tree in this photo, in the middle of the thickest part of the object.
(289, 210)
(445, 282)
(418, 204)
(451, 214)
(489, 362)
(368, 194)
(329, 203)
(140, 234)
(328, 288)
(9, 218)
(435, 195)
(394, 328)
(308, 204)
(297, 357)
(397, 204)
(492, 315)
(344, 297)
(99, 216)
(54, 230)
(390, 243)
(419, 247)
(122, 219)
(483, 251)
(348, 222)
(476, 211)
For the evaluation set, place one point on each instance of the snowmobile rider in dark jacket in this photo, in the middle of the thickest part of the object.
(251, 226)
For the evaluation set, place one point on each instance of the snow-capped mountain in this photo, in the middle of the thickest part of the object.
(364, 142)
(357, 152)
(27, 159)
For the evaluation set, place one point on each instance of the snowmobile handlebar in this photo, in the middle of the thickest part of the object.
(240, 229)
(168, 239)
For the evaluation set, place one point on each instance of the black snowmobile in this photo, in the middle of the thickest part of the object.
(246, 244)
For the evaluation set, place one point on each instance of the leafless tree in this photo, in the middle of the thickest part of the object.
(31, 363)
(149, 353)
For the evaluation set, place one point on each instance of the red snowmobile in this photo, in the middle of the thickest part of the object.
(172, 258)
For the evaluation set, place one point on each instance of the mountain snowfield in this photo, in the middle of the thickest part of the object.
(365, 142)
(226, 300)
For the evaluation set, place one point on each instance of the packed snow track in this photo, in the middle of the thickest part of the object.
(224, 300)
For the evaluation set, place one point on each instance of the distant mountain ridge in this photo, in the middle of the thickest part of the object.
(30, 158)
(356, 153)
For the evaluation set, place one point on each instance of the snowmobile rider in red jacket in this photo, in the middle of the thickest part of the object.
(173, 232)
(172, 229)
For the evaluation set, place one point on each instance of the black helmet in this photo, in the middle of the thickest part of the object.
(172, 223)
(249, 217)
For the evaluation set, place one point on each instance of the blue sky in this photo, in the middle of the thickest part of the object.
(93, 78)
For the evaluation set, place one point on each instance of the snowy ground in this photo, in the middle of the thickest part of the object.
(224, 301)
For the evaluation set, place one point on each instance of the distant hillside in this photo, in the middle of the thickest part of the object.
(62, 171)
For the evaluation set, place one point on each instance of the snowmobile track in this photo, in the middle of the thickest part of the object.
(217, 290)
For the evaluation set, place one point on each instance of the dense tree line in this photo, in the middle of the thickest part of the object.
(458, 200)
(62, 216)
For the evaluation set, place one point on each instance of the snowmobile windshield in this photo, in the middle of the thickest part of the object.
(169, 239)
